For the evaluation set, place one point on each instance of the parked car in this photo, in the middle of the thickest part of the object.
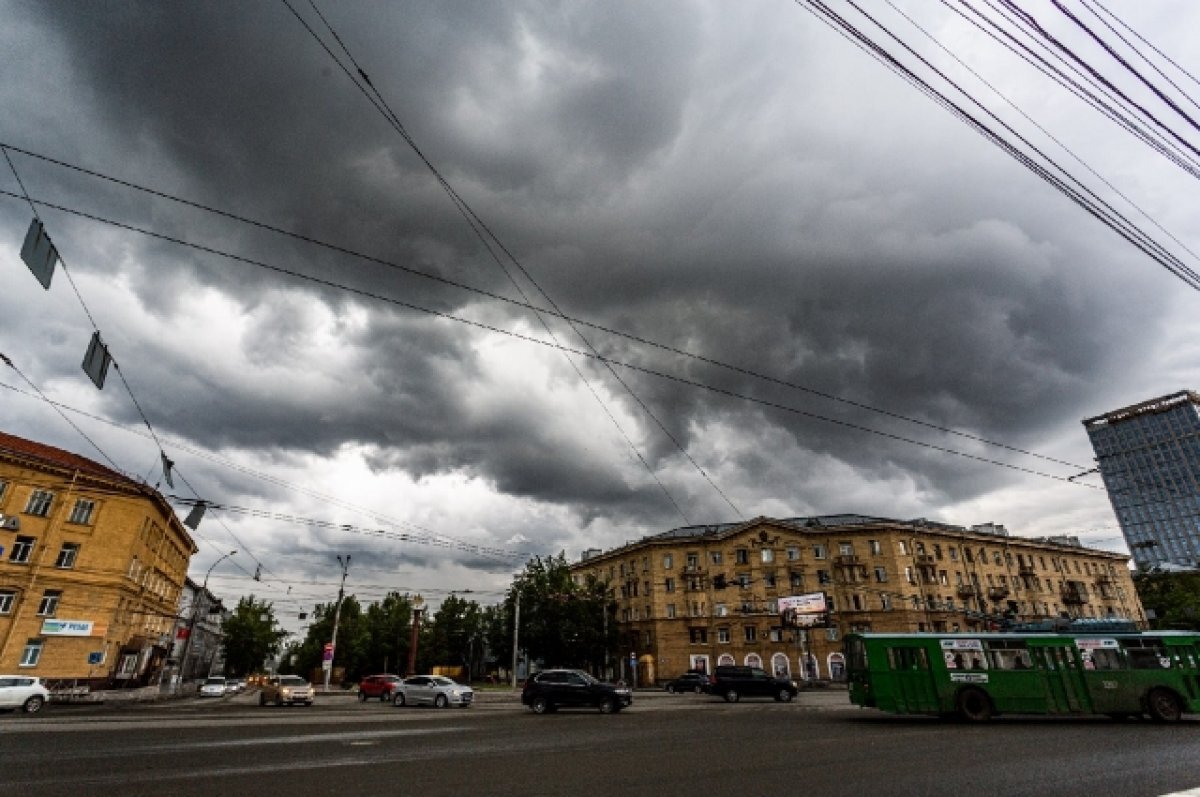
(550, 690)
(433, 690)
(23, 692)
(690, 681)
(286, 689)
(234, 685)
(734, 683)
(380, 686)
(213, 686)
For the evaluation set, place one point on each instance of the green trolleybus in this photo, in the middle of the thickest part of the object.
(976, 676)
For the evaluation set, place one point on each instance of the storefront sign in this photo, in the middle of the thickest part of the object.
(72, 628)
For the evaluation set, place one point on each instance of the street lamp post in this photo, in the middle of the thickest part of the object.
(187, 645)
(337, 615)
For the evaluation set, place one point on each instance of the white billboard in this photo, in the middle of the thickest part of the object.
(804, 611)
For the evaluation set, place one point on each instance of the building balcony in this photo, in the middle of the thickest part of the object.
(997, 594)
(1072, 595)
(847, 560)
(966, 591)
(925, 560)
(1026, 569)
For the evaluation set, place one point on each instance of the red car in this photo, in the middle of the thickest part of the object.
(380, 686)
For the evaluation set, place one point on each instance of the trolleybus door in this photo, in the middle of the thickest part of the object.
(1065, 691)
(914, 690)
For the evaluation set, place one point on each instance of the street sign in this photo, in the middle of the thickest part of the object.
(96, 657)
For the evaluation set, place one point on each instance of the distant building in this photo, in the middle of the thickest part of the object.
(1149, 458)
(201, 615)
(91, 568)
(741, 593)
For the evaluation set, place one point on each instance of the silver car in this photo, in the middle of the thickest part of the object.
(432, 690)
(24, 692)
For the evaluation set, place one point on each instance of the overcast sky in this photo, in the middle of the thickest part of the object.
(733, 180)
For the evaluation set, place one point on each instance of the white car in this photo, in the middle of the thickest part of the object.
(432, 690)
(214, 686)
(24, 692)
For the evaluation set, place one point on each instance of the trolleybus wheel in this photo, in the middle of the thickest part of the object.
(974, 705)
(1163, 706)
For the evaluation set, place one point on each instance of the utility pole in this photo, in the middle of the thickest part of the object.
(516, 628)
(337, 615)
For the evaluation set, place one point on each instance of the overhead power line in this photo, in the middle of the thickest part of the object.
(437, 278)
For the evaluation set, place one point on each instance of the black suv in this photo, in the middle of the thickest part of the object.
(734, 683)
(549, 690)
(690, 681)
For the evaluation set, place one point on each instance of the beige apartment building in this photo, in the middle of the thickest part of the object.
(702, 596)
(91, 567)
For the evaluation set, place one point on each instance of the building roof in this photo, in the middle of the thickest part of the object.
(59, 457)
(1148, 407)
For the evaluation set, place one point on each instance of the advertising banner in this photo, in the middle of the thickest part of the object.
(804, 611)
(72, 628)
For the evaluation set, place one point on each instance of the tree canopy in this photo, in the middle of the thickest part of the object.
(252, 635)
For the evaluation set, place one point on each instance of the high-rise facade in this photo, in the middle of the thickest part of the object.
(1149, 458)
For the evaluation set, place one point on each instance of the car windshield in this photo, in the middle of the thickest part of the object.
(217, 681)
(292, 680)
(441, 680)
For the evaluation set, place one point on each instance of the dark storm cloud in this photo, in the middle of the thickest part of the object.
(732, 184)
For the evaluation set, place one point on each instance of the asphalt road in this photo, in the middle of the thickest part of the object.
(665, 745)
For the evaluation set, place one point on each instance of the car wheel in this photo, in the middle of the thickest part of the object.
(1163, 706)
(540, 705)
(608, 706)
(671, 688)
(699, 689)
(974, 705)
(385, 697)
(34, 704)
(441, 702)
(784, 696)
(731, 696)
(362, 696)
(398, 700)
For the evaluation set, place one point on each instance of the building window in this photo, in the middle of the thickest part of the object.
(32, 653)
(750, 633)
(768, 555)
(21, 551)
(823, 577)
(953, 554)
(3, 489)
(845, 549)
(49, 603)
(819, 551)
(699, 636)
(693, 561)
(881, 574)
(7, 598)
(39, 503)
(793, 553)
(716, 557)
(670, 611)
(875, 548)
(797, 580)
(66, 556)
(743, 580)
(720, 610)
(741, 556)
(81, 513)
(903, 547)
(669, 585)
(885, 602)
(723, 636)
(668, 561)
(769, 580)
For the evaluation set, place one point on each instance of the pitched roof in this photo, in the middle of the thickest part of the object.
(58, 457)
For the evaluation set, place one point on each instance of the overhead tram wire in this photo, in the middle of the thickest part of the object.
(530, 339)
(1158, 93)
(1105, 105)
(481, 292)
(488, 238)
(1142, 39)
(1044, 131)
(1023, 22)
(1066, 184)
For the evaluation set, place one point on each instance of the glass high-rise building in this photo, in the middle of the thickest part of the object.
(1149, 458)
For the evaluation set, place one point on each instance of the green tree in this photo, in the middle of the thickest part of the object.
(1173, 598)
(454, 636)
(563, 624)
(252, 635)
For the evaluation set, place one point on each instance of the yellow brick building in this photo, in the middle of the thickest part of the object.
(91, 567)
(702, 596)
